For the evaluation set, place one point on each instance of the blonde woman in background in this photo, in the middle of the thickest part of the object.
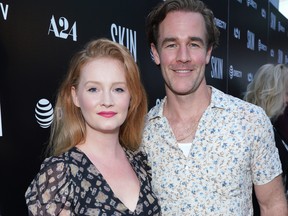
(269, 89)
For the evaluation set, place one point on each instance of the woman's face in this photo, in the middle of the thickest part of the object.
(103, 95)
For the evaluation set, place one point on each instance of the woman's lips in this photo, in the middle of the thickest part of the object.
(107, 114)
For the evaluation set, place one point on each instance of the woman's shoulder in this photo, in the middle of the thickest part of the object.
(59, 168)
(55, 182)
(72, 156)
(56, 171)
(66, 164)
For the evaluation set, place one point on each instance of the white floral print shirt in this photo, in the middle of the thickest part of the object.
(233, 148)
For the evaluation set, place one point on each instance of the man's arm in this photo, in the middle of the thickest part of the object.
(271, 198)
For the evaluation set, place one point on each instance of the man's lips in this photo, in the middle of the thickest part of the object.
(182, 70)
(107, 114)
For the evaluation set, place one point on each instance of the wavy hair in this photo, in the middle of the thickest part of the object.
(158, 14)
(268, 89)
(68, 127)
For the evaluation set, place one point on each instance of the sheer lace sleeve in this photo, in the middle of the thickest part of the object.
(50, 193)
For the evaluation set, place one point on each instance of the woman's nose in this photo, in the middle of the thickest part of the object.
(107, 99)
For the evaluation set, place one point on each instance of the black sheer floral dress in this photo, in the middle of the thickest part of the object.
(71, 185)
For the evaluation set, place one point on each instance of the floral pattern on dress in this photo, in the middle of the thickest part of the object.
(71, 185)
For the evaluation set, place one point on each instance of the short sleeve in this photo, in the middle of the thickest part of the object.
(266, 164)
(50, 191)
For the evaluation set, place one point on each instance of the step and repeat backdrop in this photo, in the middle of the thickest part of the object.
(38, 39)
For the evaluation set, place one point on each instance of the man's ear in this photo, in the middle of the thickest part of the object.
(208, 54)
(155, 54)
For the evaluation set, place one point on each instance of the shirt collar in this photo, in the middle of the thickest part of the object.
(218, 100)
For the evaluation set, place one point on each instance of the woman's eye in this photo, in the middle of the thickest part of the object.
(119, 90)
(92, 89)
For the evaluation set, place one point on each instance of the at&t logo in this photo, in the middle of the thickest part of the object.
(220, 23)
(250, 77)
(63, 29)
(261, 46)
(234, 73)
(237, 33)
(263, 13)
(44, 113)
(252, 3)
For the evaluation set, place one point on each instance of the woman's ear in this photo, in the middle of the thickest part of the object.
(74, 96)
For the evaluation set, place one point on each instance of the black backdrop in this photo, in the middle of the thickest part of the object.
(38, 38)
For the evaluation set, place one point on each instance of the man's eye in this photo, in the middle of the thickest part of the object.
(171, 45)
(194, 45)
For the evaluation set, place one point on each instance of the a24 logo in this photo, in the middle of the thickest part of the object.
(62, 29)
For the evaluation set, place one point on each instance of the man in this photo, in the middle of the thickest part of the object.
(206, 149)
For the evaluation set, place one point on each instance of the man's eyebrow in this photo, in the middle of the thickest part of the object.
(172, 39)
(197, 39)
(168, 39)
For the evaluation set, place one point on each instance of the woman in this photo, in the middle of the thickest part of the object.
(96, 167)
(269, 90)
